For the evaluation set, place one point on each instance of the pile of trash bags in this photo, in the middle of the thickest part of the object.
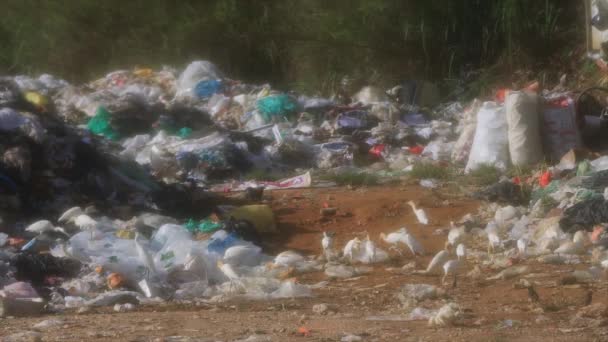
(138, 155)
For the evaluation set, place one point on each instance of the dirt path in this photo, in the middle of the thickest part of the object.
(497, 311)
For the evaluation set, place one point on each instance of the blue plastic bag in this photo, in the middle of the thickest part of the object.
(206, 89)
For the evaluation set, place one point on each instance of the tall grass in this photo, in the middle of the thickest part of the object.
(308, 44)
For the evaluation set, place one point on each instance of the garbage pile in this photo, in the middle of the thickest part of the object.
(108, 188)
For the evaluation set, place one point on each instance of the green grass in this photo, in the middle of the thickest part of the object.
(261, 175)
(484, 175)
(353, 178)
(524, 172)
(431, 171)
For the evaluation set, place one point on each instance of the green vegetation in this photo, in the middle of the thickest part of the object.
(431, 171)
(353, 178)
(262, 175)
(484, 175)
(304, 45)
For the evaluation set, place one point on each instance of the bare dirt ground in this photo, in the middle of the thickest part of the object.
(496, 310)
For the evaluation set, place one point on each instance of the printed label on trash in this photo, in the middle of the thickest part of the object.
(301, 181)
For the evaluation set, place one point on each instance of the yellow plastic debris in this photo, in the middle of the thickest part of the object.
(143, 72)
(37, 99)
(125, 234)
(260, 215)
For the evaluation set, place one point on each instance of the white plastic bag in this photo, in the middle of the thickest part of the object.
(438, 150)
(491, 143)
(524, 134)
(194, 73)
(133, 145)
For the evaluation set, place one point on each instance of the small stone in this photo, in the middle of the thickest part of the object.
(46, 324)
(83, 310)
(256, 338)
(542, 319)
(325, 212)
(124, 307)
(409, 267)
(320, 309)
(351, 338)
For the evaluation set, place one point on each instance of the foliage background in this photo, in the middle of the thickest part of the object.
(306, 45)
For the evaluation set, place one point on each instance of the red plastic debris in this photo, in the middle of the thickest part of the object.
(501, 94)
(417, 150)
(533, 87)
(377, 150)
(304, 331)
(545, 179)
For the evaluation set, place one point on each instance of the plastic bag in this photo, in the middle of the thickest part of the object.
(353, 120)
(525, 144)
(260, 215)
(194, 73)
(291, 289)
(599, 164)
(274, 106)
(491, 143)
(205, 89)
(559, 128)
(11, 120)
(169, 232)
(463, 145)
(335, 154)
(417, 293)
(134, 144)
(100, 124)
(438, 150)
(505, 214)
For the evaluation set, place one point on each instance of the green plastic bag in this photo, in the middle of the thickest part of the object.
(185, 132)
(208, 226)
(584, 168)
(100, 124)
(542, 192)
(275, 106)
(204, 226)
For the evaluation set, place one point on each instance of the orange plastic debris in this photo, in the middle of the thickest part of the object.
(16, 242)
(115, 280)
(304, 331)
(596, 233)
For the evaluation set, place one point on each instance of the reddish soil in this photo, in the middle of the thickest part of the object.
(362, 211)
